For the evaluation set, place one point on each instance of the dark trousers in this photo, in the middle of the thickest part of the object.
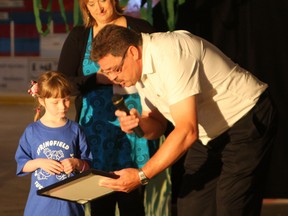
(226, 177)
(129, 204)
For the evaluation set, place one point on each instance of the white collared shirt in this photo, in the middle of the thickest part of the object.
(177, 65)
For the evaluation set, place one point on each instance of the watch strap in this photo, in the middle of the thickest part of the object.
(143, 178)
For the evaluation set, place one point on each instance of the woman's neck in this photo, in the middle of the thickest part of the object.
(117, 20)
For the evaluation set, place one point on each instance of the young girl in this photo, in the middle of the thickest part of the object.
(52, 148)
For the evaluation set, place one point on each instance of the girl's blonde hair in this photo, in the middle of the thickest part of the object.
(51, 84)
(88, 20)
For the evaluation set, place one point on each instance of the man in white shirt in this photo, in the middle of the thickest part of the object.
(223, 117)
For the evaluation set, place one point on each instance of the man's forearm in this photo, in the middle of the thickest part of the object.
(152, 128)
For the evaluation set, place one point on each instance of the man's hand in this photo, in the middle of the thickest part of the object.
(128, 122)
(128, 180)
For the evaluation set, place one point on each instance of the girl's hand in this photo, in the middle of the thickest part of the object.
(51, 166)
(69, 165)
(72, 164)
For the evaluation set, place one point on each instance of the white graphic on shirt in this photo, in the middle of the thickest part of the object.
(54, 155)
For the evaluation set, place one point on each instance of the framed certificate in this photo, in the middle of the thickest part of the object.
(80, 188)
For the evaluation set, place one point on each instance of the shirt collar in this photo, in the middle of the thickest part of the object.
(146, 56)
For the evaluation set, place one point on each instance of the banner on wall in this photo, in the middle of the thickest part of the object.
(36, 66)
(11, 4)
(51, 45)
(13, 74)
(16, 72)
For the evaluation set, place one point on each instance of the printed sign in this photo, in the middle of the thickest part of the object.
(13, 74)
(39, 65)
(16, 72)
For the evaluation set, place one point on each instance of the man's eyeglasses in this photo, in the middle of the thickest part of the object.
(116, 69)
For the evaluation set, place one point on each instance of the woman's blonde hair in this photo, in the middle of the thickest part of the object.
(88, 20)
(51, 84)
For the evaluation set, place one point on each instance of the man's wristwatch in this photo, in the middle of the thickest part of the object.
(143, 178)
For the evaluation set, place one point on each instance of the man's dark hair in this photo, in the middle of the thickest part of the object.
(114, 40)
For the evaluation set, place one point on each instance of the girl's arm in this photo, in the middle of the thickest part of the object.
(49, 165)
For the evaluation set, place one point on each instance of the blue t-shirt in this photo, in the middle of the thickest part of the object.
(40, 141)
